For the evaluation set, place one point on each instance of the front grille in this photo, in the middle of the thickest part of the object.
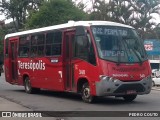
(126, 87)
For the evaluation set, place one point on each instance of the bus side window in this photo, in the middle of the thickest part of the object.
(37, 45)
(81, 47)
(41, 43)
(92, 57)
(24, 43)
(34, 45)
(53, 43)
(33, 51)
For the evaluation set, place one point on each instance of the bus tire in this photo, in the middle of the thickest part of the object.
(129, 98)
(28, 88)
(86, 96)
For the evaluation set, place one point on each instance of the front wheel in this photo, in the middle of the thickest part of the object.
(129, 98)
(28, 88)
(86, 95)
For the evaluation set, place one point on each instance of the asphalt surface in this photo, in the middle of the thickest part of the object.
(14, 98)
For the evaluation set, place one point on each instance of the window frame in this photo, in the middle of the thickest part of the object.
(44, 45)
(19, 46)
(52, 44)
(38, 45)
(90, 45)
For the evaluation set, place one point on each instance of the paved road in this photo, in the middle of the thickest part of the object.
(57, 101)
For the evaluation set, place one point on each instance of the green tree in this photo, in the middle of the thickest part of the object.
(18, 10)
(55, 12)
(2, 34)
(101, 10)
(143, 15)
(156, 32)
(121, 11)
(112, 10)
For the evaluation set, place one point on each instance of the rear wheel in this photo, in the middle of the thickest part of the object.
(86, 96)
(129, 98)
(28, 88)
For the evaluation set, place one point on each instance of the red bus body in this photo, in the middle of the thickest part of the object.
(64, 72)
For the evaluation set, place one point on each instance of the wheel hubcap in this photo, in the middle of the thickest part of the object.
(86, 93)
(27, 85)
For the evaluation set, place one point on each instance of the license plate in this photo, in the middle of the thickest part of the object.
(131, 92)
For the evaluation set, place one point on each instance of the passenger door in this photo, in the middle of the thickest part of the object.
(13, 51)
(68, 69)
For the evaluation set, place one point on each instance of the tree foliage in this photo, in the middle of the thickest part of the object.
(18, 10)
(55, 12)
(101, 10)
(144, 10)
(2, 34)
(156, 32)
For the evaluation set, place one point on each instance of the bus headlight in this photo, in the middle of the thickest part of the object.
(103, 77)
(147, 78)
(107, 78)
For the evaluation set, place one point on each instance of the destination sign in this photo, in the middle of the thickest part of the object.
(108, 31)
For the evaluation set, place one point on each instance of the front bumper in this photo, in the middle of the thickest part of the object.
(115, 88)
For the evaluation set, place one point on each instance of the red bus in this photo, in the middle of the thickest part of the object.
(93, 58)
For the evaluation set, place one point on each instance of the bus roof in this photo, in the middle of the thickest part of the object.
(67, 25)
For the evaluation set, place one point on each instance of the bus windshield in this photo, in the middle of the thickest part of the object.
(119, 44)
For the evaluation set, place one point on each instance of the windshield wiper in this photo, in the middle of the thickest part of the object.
(135, 51)
(122, 42)
(137, 55)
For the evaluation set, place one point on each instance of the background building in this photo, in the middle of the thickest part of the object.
(152, 47)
